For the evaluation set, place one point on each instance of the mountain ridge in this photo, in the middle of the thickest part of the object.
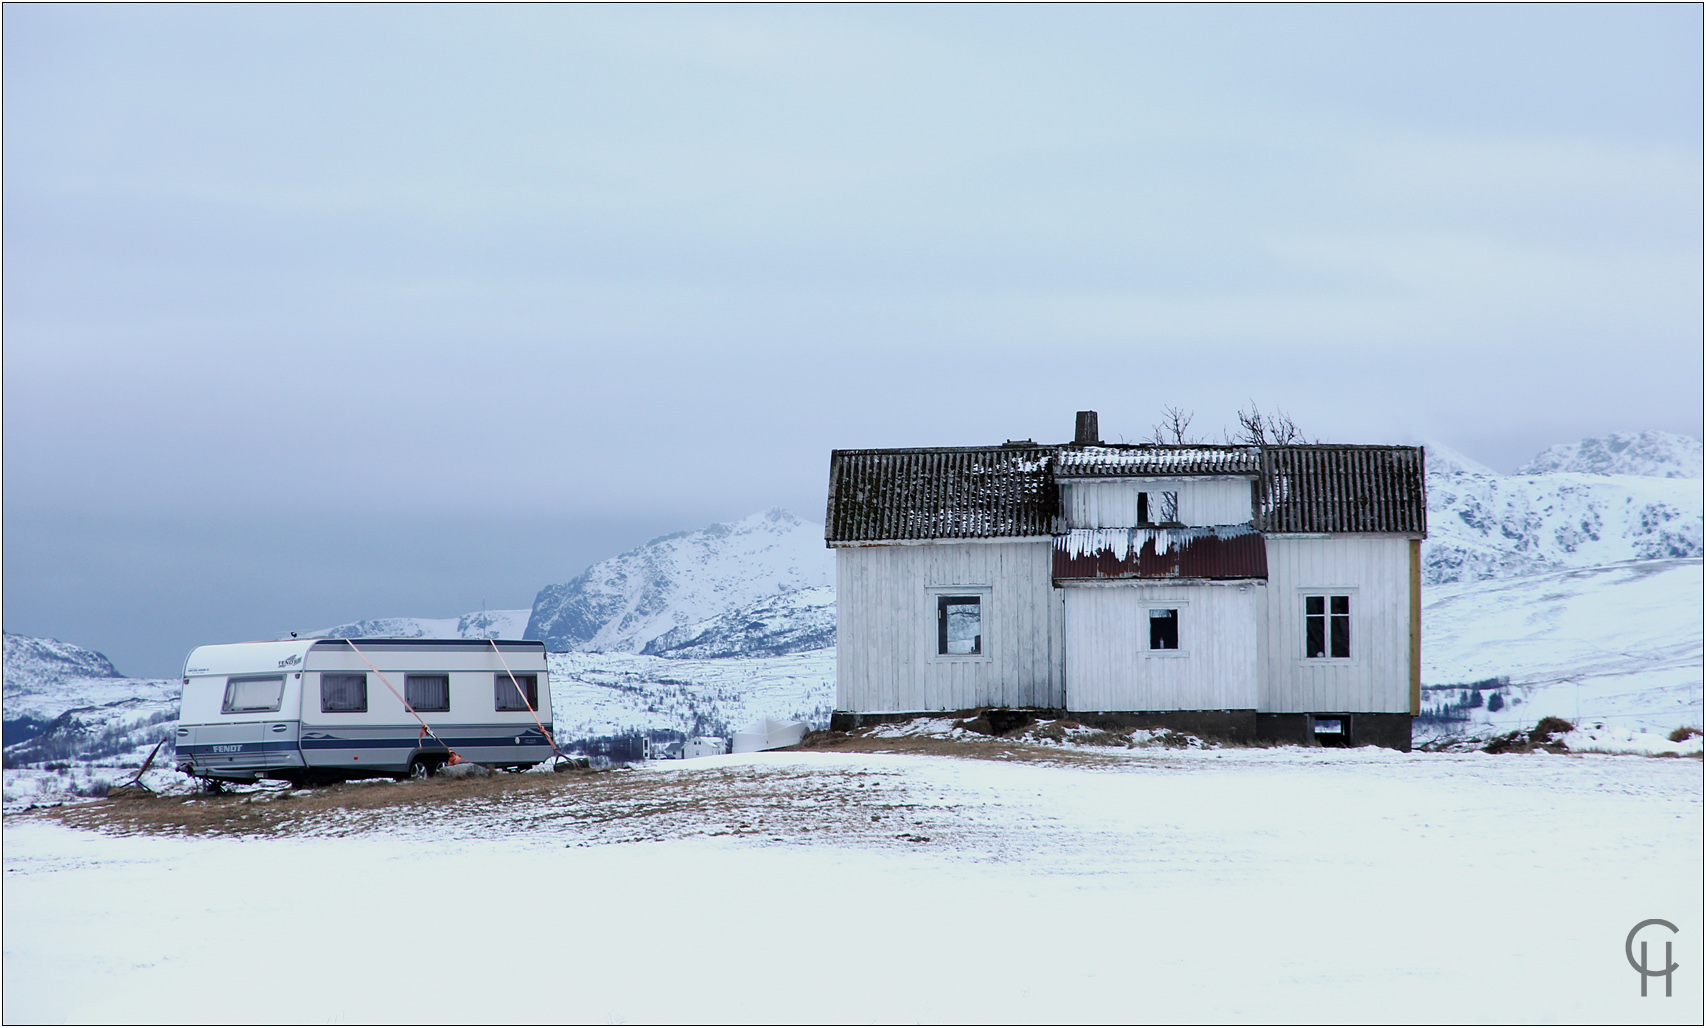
(1647, 454)
(1484, 525)
(624, 603)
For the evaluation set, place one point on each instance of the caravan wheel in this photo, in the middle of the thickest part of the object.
(423, 767)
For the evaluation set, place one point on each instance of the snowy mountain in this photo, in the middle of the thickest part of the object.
(1484, 525)
(1573, 586)
(683, 581)
(64, 701)
(35, 665)
(481, 624)
(791, 622)
(1651, 454)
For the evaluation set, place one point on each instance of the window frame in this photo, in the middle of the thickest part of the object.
(932, 624)
(1327, 594)
(1144, 513)
(410, 676)
(1179, 607)
(232, 681)
(343, 710)
(502, 686)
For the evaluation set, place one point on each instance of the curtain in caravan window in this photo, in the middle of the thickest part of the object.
(246, 695)
(343, 693)
(427, 692)
(508, 697)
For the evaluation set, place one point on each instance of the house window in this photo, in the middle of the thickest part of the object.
(427, 692)
(1327, 626)
(509, 696)
(1157, 508)
(343, 694)
(1163, 628)
(959, 625)
(251, 695)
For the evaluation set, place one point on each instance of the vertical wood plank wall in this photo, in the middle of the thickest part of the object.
(1375, 571)
(1415, 627)
(1113, 504)
(885, 623)
(1109, 665)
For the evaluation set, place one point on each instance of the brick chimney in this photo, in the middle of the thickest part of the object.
(1088, 434)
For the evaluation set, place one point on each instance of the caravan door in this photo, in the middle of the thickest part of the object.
(237, 743)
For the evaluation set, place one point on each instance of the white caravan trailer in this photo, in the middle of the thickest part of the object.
(320, 710)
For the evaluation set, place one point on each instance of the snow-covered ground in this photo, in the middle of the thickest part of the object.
(1221, 885)
(1619, 645)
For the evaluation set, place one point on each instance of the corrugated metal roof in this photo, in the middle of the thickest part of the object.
(1227, 551)
(960, 493)
(1010, 491)
(1155, 459)
(1310, 489)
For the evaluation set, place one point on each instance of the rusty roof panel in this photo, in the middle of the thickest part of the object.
(961, 493)
(1146, 459)
(1227, 551)
(1311, 489)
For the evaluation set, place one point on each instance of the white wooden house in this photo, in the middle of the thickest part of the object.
(1255, 592)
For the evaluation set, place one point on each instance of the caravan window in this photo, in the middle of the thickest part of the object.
(427, 692)
(508, 697)
(252, 695)
(343, 694)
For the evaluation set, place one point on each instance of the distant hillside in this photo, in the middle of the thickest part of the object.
(626, 603)
(67, 702)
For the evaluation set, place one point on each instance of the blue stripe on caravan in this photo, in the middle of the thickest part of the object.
(322, 741)
(317, 741)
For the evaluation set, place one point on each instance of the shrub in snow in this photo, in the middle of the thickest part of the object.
(1544, 735)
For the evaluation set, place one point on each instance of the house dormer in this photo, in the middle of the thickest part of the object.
(1153, 486)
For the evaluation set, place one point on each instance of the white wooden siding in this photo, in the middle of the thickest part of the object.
(1374, 572)
(1109, 665)
(885, 623)
(1113, 504)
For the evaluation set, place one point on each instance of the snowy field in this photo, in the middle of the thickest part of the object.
(1285, 884)
(1619, 645)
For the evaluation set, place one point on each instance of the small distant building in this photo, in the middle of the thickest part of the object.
(1254, 592)
(705, 746)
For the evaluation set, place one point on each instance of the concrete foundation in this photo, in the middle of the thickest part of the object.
(1237, 726)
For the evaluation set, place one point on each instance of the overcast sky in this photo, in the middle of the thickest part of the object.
(320, 313)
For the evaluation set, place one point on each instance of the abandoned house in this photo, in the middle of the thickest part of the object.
(1247, 591)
